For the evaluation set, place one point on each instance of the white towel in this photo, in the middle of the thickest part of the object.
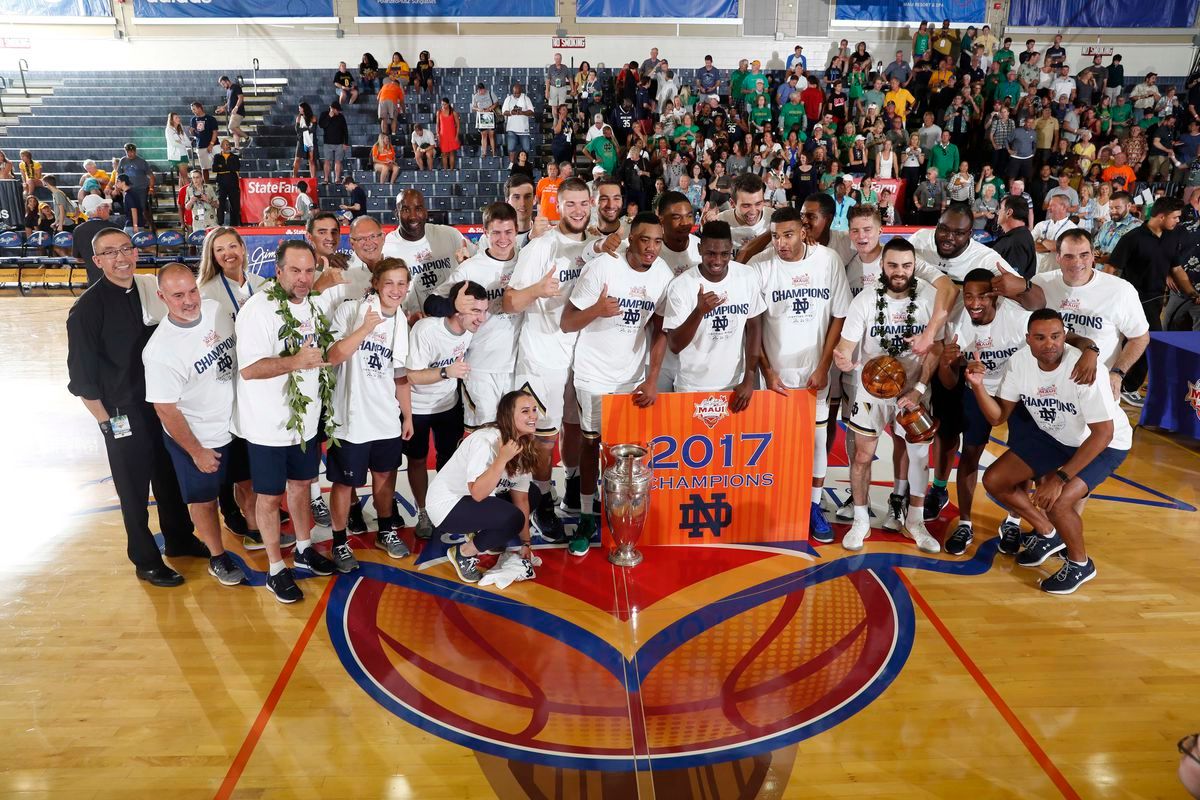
(510, 567)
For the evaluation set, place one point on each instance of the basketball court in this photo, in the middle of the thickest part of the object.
(729, 671)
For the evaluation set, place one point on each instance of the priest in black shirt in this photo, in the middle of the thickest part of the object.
(107, 328)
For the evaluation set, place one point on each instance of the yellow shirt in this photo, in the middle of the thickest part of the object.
(902, 98)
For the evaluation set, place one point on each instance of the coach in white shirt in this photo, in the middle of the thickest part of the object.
(1046, 232)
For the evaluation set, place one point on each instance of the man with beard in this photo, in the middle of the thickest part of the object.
(906, 304)
(1120, 222)
(607, 219)
(1080, 437)
(805, 295)
(279, 368)
(431, 251)
(546, 271)
(616, 308)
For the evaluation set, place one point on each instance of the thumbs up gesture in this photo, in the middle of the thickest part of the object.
(607, 306)
(611, 243)
(951, 353)
(458, 369)
(549, 286)
(463, 252)
(540, 225)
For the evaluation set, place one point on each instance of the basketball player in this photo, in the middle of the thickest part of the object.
(607, 218)
(818, 210)
(616, 307)
(282, 457)
(546, 271)
(372, 408)
(429, 250)
(493, 352)
(713, 320)
(519, 193)
(680, 249)
(806, 296)
(190, 366)
(1080, 438)
(907, 306)
(749, 216)
(437, 351)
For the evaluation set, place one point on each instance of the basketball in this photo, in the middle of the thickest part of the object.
(884, 377)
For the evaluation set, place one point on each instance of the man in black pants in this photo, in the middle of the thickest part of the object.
(226, 166)
(106, 330)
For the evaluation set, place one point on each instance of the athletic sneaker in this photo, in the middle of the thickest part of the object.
(858, 533)
(897, 509)
(355, 522)
(570, 498)
(937, 498)
(424, 528)
(313, 561)
(467, 567)
(924, 539)
(1134, 399)
(581, 540)
(343, 559)
(284, 587)
(845, 512)
(547, 523)
(1010, 538)
(224, 570)
(320, 512)
(1069, 577)
(391, 543)
(958, 541)
(253, 540)
(1041, 548)
(818, 526)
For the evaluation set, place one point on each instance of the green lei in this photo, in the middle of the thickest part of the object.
(289, 333)
(897, 344)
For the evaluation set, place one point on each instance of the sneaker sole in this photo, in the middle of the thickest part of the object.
(937, 547)
(224, 582)
(458, 570)
(1061, 546)
(390, 554)
(318, 573)
(250, 544)
(347, 570)
(283, 600)
(966, 544)
(1073, 589)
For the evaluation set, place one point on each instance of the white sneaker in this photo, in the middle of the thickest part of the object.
(897, 508)
(858, 533)
(924, 539)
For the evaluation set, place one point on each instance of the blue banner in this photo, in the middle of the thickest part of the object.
(959, 12)
(1102, 14)
(55, 8)
(455, 8)
(676, 9)
(230, 9)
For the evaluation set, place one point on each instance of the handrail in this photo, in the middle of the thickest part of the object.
(255, 63)
(3, 89)
(23, 65)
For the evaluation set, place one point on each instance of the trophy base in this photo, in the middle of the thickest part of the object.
(625, 556)
(923, 436)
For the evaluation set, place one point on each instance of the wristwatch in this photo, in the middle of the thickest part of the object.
(1117, 371)
(105, 428)
(1093, 348)
(442, 372)
(1062, 476)
(1028, 285)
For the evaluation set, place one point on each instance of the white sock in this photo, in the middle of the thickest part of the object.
(303, 544)
(543, 486)
(1012, 519)
(1050, 535)
(862, 514)
(1078, 563)
(900, 487)
(585, 503)
(820, 453)
(277, 567)
(816, 493)
(965, 522)
(314, 491)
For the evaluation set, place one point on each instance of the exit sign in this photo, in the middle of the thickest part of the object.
(568, 42)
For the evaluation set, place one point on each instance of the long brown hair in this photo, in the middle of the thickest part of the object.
(208, 262)
(524, 461)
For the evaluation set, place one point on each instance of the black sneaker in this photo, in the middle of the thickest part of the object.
(937, 498)
(356, 523)
(547, 523)
(467, 567)
(225, 571)
(252, 540)
(1041, 548)
(320, 512)
(313, 561)
(191, 549)
(570, 499)
(284, 587)
(1010, 538)
(1069, 577)
(958, 542)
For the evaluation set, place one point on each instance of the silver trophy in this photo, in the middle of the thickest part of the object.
(627, 500)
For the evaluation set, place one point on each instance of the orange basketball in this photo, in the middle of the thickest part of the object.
(884, 377)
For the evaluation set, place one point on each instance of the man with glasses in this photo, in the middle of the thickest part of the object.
(107, 328)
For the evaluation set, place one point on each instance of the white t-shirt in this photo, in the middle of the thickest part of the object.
(867, 275)
(801, 298)
(1104, 309)
(235, 297)
(472, 458)
(517, 123)
(358, 277)
(1059, 406)
(1050, 230)
(714, 360)
(431, 343)
(743, 233)
(612, 350)
(683, 260)
(494, 346)
(542, 345)
(365, 408)
(993, 343)
(193, 366)
(429, 259)
(862, 327)
(262, 412)
(976, 256)
(422, 139)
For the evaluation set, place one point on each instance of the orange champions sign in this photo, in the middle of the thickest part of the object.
(720, 476)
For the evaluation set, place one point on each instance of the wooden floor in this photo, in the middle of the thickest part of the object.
(704, 673)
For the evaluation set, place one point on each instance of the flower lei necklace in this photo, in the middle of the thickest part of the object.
(293, 340)
(897, 344)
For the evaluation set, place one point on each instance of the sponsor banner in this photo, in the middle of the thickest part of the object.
(54, 8)
(188, 10)
(1086, 14)
(455, 8)
(258, 193)
(721, 477)
(12, 204)
(691, 10)
(959, 12)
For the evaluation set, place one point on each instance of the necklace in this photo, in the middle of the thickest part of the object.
(293, 340)
(896, 344)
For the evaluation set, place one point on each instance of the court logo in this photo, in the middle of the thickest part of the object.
(1193, 397)
(712, 410)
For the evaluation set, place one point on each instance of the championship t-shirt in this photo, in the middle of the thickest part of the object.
(431, 343)
(1059, 406)
(365, 408)
(494, 346)
(542, 345)
(230, 296)
(430, 259)
(742, 232)
(714, 360)
(680, 261)
(472, 458)
(1104, 309)
(612, 350)
(862, 326)
(192, 366)
(867, 275)
(976, 256)
(801, 298)
(992, 343)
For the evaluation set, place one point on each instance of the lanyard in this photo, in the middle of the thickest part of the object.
(236, 305)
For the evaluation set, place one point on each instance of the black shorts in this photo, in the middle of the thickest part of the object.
(947, 406)
(271, 467)
(976, 430)
(1043, 454)
(447, 429)
(237, 467)
(348, 462)
(196, 486)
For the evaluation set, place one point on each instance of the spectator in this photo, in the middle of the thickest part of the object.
(842, 202)
(398, 70)
(708, 78)
(271, 218)
(1064, 190)
(559, 87)
(235, 107)
(388, 104)
(81, 245)
(200, 200)
(999, 132)
(449, 127)
(368, 72)
(483, 111)
(306, 149)
(944, 156)
(1119, 174)
(343, 84)
(1086, 216)
(961, 186)
(517, 110)
(1015, 241)
(6, 168)
(423, 73)
(900, 99)
(227, 166)
(203, 129)
(93, 178)
(603, 151)
(1114, 82)
(1146, 94)
(335, 140)
(63, 210)
(424, 146)
(356, 202)
(139, 175)
(985, 210)
(885, 161)
(1121, 221)
(929, 200)
(383, 159)
(562, 141)
(178, 145)
(522, 165)
(304, 204)
(1162, 150)
(1046, 232)
(31, 172)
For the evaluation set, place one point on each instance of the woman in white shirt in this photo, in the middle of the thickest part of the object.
(485, 488)
(177, 145)
(885, 161)
(223, 273)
